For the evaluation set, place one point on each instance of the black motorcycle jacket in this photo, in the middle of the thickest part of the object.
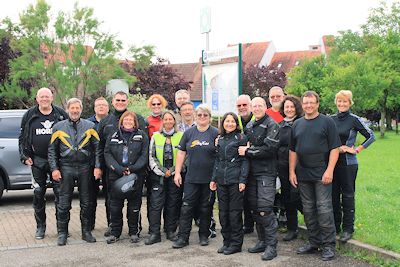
(229, 167)
(137, 145)
(263, 136)
(73, 143)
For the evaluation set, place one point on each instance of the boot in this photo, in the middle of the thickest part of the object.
(269, 253)
(153, 238)
(261, 245)
(62, 239)
(41, 229)
(290, 235)
(62, 229)
(171, 236)
(180, 243)
(87, 236)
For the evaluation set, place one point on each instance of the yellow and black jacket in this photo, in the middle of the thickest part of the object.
(74, 144)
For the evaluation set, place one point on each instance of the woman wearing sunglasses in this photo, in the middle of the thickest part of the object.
(156, 104)
(198, 146)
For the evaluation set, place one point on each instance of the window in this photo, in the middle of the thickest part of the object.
(10, 127)
(279, 65)
(297, 63)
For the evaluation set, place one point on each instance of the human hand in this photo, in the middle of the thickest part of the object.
(97, 173)
(327, 177)
(178, 179)
(293, 179)
(56, 175)
(242, 187)
(242, 149)
(28, 162)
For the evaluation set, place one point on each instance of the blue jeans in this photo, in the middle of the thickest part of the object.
(318, 213)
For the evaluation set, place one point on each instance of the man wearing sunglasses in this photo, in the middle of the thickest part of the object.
(107, 126)
(243, 107)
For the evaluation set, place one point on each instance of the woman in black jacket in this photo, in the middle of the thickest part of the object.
(229, 178)
(291, 110)
(126, 152)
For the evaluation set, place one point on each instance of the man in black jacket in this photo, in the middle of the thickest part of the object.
(263, 135)
(36, 130)
(73, 146)
(106, 127)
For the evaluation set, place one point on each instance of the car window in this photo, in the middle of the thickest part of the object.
(10, 127)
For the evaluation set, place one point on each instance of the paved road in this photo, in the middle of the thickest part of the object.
(19, 248)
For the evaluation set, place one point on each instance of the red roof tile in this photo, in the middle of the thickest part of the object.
(191, 72)
(285, 61)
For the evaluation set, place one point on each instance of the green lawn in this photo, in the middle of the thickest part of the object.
(378, 194)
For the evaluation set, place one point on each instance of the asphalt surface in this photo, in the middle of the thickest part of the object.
(124, 253)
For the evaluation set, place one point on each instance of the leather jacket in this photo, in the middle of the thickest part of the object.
(229, 167)
(25, 137)
(263, 136)
(73, 144)
(138, 153)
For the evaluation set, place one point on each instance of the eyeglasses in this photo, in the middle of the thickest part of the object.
(309, 103)
(275, 96)
(120, 100)
(241, 105)
(202, 115)
(156, 104)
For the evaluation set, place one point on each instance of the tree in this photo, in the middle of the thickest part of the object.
(310, 75)
(257, 81)
(157, 78)
(58, 55)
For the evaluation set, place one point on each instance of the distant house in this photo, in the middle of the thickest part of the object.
(261, 54)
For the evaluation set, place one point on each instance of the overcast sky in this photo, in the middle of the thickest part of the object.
(173, 26)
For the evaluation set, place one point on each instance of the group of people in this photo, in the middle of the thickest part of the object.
(184, 161)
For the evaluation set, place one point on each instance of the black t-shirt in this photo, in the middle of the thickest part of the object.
(200, 149)
(42, 129)
(312, 140)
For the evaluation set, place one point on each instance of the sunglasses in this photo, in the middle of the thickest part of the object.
(202, 115)
(120, 100)
(241, 105)
(156, 104)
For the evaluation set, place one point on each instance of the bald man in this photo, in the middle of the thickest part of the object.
(36, 130)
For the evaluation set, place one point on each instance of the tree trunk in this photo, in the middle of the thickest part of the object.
(397, 122)
(388, 121)
(382, 123)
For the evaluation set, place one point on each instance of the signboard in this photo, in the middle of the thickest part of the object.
(221, 87)
(205, 20)
(217, 55)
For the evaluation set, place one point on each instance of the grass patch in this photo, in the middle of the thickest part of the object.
(378, 194)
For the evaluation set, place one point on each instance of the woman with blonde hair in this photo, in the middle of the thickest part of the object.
(156, 103)
(345, 173)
